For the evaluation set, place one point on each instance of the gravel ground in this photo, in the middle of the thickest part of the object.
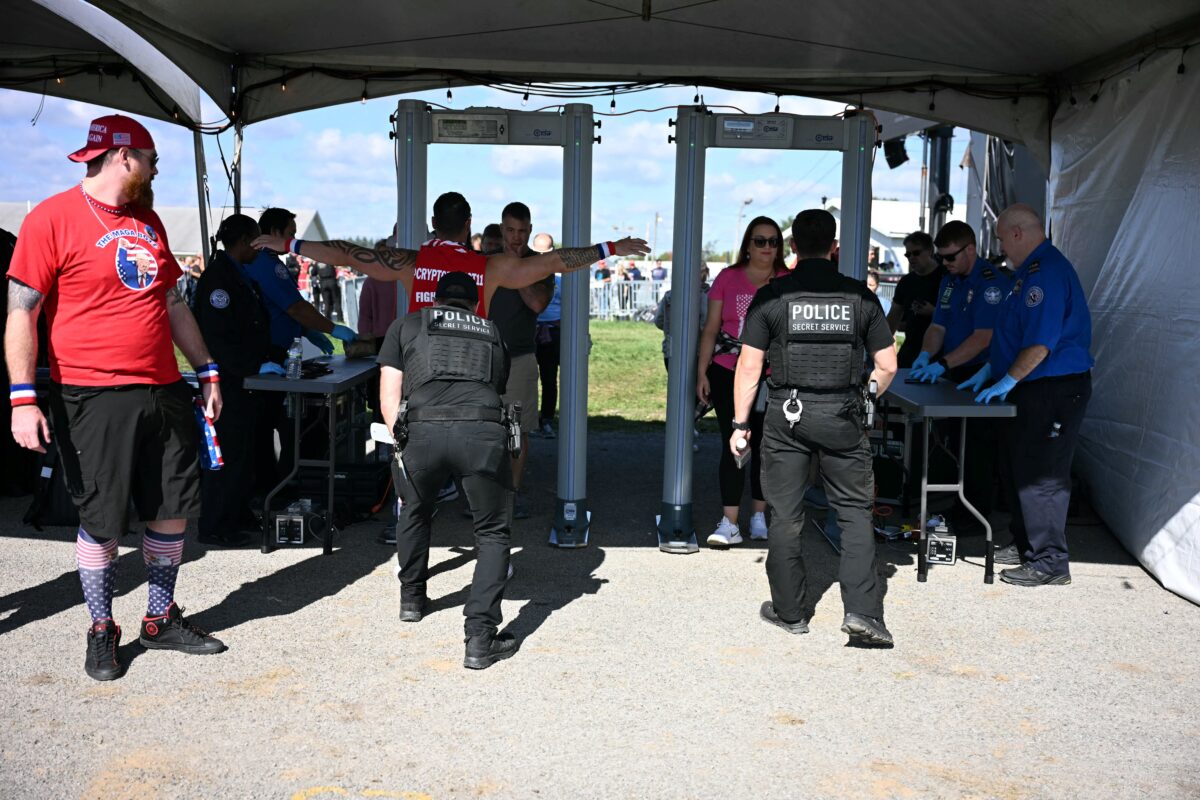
(639, 675)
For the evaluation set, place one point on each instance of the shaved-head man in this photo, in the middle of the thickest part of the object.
(1039, 359)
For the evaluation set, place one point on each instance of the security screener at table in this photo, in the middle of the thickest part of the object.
(816, 325)
(450, 251)
(1040, 361)
(961, 332)
(236, 327)
(443, 370)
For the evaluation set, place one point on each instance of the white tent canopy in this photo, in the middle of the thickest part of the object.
(65, 48)
(989, 67)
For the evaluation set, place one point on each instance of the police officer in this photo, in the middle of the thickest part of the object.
(816, 324)
(450, 367)
(1040, 359)
(959, 335)
(237, 330)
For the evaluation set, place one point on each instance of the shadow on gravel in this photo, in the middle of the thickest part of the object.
(296, 586)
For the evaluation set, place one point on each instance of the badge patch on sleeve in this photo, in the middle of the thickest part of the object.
(219, 298)
(1033, 297)
(991, 295)
(282, 273)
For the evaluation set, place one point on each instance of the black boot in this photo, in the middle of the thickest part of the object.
(102, 662)
(486, 649)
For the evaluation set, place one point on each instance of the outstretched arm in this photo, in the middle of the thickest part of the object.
(383, 263)
(517, 273)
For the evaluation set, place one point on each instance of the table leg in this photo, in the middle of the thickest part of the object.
(295, 400)
(988, 559)
(332, 445)
(922, 566)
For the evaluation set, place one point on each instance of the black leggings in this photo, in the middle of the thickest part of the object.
(732, 479)
(548, 355)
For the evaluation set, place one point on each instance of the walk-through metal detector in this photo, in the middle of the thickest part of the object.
(415, 126)
(697, 129)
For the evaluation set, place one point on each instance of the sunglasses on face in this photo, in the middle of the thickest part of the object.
(910, 255)
(949, 258)
(152, 160)
(765, 241)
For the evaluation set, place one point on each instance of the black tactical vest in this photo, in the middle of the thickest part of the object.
(822, 347)
(451, 344)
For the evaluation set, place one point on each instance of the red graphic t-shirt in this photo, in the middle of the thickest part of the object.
(437, 257)
(104, 273)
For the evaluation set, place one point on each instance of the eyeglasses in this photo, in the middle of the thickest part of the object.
(949, 258)
(765, 241)
(152, 160)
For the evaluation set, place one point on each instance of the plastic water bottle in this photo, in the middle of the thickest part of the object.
(292, 365)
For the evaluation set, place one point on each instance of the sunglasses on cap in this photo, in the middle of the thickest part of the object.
(765, 241)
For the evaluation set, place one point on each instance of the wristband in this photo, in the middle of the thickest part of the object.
(208, 374)
(606, 249)
(22, 394)
(293, 246)
(740, 426)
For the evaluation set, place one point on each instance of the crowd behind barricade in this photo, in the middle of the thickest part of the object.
(786, 349)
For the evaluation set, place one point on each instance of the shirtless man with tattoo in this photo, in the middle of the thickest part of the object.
(450, 251)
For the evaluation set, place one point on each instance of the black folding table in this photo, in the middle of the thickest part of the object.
(345, 375)
(941, 400)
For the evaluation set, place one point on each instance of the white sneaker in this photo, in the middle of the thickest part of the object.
(758, 527)
(726, 534)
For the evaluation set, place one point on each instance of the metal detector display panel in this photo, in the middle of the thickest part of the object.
(739, 131)
(533, 127)
(470, 128)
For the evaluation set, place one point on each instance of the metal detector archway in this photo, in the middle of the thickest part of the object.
(697, 130)
(415, 127)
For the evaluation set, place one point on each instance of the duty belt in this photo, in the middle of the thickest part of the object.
(456, 414)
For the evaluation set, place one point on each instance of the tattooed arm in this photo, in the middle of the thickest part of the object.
(187, 336)
(382, 264)
(517, 273)
(29, 426)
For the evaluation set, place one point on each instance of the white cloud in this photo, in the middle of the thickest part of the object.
(350, 148)
(527, 162)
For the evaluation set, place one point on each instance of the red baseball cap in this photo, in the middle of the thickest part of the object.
(105, 133)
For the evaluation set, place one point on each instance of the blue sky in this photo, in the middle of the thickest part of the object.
(339, 160)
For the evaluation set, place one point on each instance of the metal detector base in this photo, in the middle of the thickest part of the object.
(572, 537)
(677, 546)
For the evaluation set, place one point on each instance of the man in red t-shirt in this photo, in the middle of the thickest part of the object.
(95, 259)
(450, 251)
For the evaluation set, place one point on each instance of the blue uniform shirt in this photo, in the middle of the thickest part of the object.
(968, 303)
(1046, 306)
(279, 293)
(553, 311)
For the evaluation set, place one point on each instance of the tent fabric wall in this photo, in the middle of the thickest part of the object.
(1124, 202)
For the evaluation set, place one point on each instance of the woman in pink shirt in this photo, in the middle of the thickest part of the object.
(759, 260)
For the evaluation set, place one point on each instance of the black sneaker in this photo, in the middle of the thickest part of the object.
(1007, 555)
(867, 630)
(485, 649)
(226, 539)
(767, 612)
(1032, 576)
(414, 610)
(172, 632)
(102, 662)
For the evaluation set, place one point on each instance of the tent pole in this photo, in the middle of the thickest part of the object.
(201, 192)
(237, 168)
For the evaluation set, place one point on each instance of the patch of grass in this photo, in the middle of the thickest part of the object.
(626, 379)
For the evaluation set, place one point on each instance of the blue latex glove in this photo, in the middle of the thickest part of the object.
(997, 391)
(271, 368)
(344, 333)
(928, 373)
(921, 360)
(976, 381)
(320, 340)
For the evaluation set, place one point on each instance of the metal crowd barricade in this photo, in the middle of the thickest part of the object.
(625, 299)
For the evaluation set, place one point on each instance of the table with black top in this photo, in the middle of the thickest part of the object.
(345, 375)
(941, 400)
